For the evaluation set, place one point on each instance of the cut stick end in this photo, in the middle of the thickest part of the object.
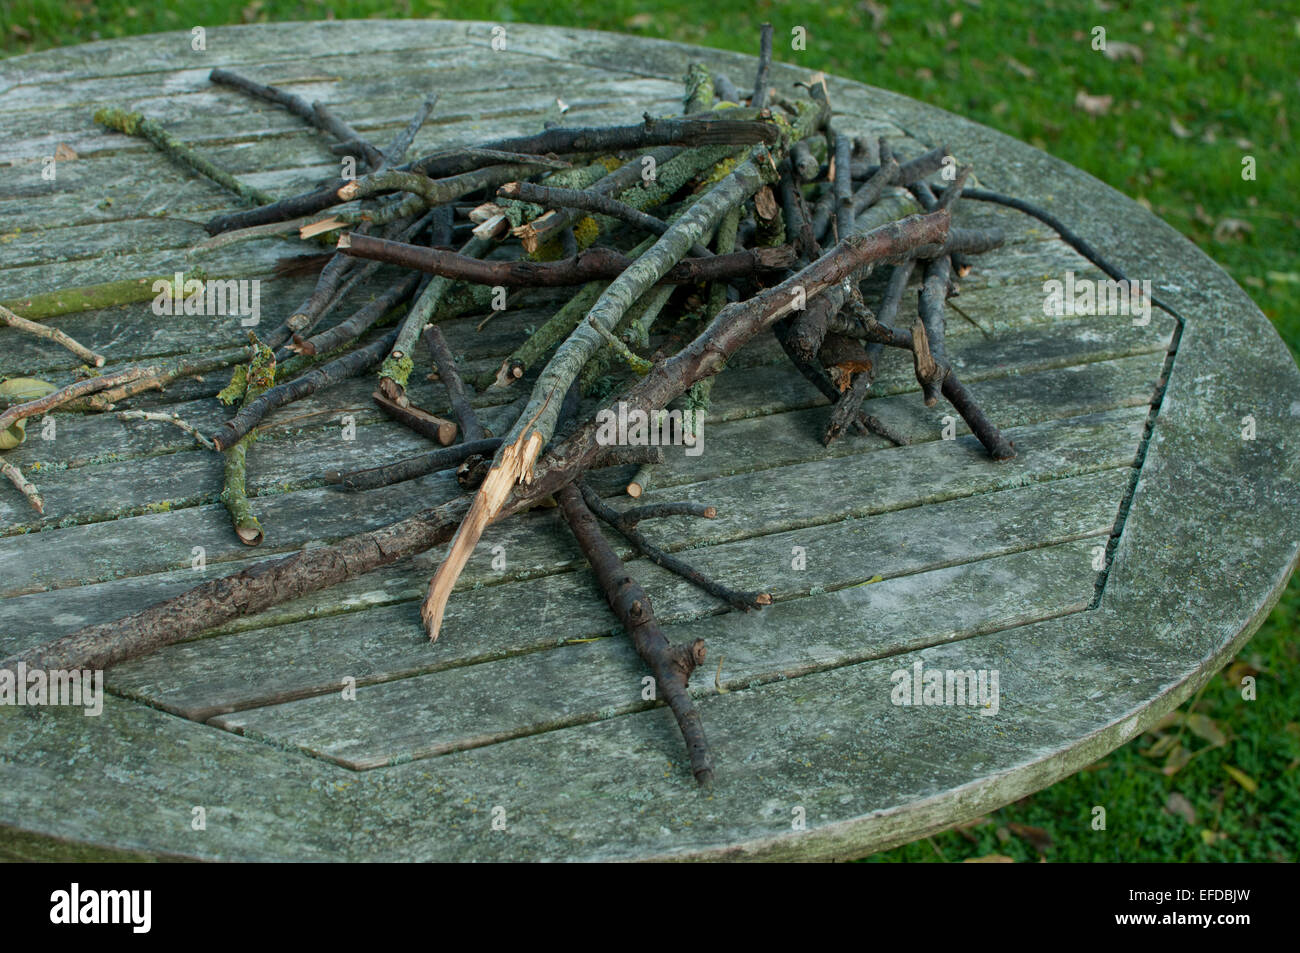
(345, 240)
(249, 535)
(635, 490)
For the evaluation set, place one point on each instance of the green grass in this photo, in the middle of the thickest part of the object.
(1200, 87)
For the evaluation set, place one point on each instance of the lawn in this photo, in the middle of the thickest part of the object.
(1166, 114)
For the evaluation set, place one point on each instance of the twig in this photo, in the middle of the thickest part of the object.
(759, 99)
(262, 403)
(24, 485)
(134, 124)
(626, 526)
(591, 265)
(174, 419)
(589, 201)
(445, 363)
(269, 583)
(443, 458)
(397, 366)
(421, 421)
(671, 665)
(52, 334)
(259, 377)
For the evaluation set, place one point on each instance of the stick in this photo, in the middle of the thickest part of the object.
(421, 421)
(843, 186)
(593, 264)
(51, 334)
(269, 583)
(122, 384)
(343, 132)
(443, 458)
(254, 409)
(134, 124)
(849, 405)
(934, 292)
(671, 665)
(345, 332)
(234, 492)
(589, 201)
(746, 601)
(445, 363)
(396, 369)
(759, 99)
(681, 132)
(24, 485)
(174, 419)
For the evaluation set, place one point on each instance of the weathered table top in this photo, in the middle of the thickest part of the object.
(926, 554)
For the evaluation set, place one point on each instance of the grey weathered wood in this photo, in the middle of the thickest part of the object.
(1062, 449)
(583, 682)
(558, 736)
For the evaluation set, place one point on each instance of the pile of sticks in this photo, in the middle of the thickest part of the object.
(745, 215)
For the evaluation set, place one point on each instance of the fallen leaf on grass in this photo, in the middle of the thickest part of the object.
(1176, 761)
(989, 859)
(1118, 50)
(1028, 72)
(1037, 837)
(1242, 778)
(1204, 727)
(1180, 806)
(1178, 129)
(1235, 672)
(1161, 746)
(1093, 105)
(1230, 228)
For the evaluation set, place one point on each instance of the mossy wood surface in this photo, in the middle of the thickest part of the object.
(532, 699)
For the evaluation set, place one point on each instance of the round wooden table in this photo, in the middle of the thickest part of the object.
(1132, 547)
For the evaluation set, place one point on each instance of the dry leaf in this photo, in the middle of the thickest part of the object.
(1178, 129)
(1170, 720)
(1204, 727)
(639, 20)
(1093, 105)
(1028, 72)
(1242, 778)
(1179, 805)
(878, 12)
(1231, 228)
(1176, 761)
(1118, 50)
(64, 152)
(1161, 746)
(1037, 837)
(989, 859)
